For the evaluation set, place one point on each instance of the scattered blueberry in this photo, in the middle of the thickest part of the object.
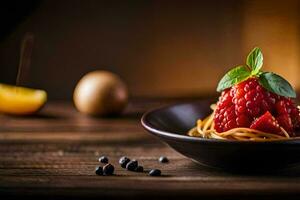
(123, 161)
(139, 169)
(155, 172)
(103, 159)
(132, 165)
(108, 169)
(163, 159)
(99, 171)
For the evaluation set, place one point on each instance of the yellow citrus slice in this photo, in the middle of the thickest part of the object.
(20, 101)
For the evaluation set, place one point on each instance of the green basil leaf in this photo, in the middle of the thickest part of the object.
(276, 84)
(234, 76)
(255, 60)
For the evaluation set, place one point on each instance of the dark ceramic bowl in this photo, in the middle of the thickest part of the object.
(172, 123)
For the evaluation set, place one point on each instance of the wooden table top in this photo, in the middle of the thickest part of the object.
(55, 154)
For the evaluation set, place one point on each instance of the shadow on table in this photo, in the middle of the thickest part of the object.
(284, 173)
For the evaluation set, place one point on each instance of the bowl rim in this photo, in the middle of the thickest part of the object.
(187, 138)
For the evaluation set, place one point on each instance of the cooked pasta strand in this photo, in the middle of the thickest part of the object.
(205, 129)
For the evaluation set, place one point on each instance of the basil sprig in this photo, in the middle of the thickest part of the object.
(255, 60)
(270, 81)
(276, 84)
(234, 76)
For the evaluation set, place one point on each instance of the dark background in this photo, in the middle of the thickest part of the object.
(160, 48)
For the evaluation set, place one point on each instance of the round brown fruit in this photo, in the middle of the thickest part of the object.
(100, 93)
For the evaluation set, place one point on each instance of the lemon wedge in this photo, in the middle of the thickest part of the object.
(20, 101)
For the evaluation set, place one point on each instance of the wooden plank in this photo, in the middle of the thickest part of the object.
(56, 157)
(96, 137)
(158, 186)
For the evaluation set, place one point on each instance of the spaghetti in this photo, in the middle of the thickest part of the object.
(205, 129)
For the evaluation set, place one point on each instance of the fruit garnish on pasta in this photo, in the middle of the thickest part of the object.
(254, 105)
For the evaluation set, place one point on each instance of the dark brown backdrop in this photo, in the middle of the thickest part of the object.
(160, 48)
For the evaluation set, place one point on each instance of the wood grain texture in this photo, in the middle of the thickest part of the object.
(54, 155)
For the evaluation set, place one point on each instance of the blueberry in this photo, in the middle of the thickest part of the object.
(123, 161)
(103, 159)
(108, 169)
(99, 171)
(163, 159)
(139, 169)
(132, 165)
(155, 172)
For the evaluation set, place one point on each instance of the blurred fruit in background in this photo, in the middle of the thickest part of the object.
(100, 93)
(20, 101)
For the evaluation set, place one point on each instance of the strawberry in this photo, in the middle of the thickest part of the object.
(242, 104)
(283, 116)
(266, 123)
(255, 99)
(285, 122)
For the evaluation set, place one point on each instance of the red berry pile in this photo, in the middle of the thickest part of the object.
(255, 99)
(244, 103)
